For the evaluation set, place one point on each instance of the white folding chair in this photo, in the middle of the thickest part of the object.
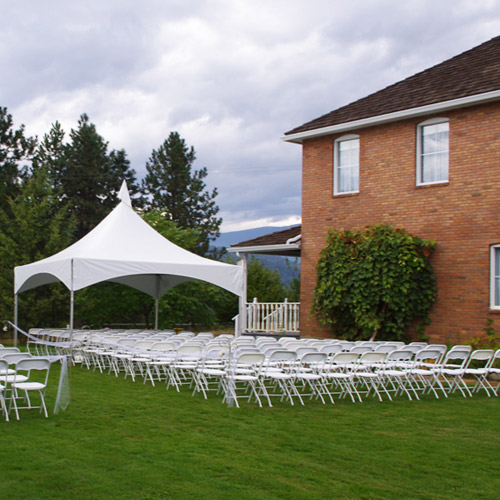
(452, 369)
(339, 375)
(28, 366)
(279, 374)
(367, 376)
(480, 372)
(180, 371)
(243, 379)
(395, 376)
(423, 375)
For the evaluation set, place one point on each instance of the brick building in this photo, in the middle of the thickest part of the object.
(423, 155)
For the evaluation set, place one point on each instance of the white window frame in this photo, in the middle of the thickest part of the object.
(494, 276)
(344, 138)
(420, 127)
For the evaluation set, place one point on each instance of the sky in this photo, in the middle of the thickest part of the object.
(231, 76)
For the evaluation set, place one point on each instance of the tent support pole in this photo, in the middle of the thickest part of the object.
(71, 312)
(15, 319)
(157, 309)
(157, 300)
(242, 323)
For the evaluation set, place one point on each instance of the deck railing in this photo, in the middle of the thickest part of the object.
(273, 316)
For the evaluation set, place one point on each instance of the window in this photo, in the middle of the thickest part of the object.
(346, 165)
(432, 151)
(495, 277)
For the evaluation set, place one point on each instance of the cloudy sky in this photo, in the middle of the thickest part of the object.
(231, 76)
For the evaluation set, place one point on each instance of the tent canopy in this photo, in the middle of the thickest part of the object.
(125, 249)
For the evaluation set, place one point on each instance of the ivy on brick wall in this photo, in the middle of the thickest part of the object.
(374, 283)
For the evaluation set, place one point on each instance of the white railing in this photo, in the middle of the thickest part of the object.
(272, 316)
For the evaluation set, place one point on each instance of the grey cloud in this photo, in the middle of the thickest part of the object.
(231, 77)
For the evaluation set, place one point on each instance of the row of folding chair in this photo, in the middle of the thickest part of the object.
(346, 374)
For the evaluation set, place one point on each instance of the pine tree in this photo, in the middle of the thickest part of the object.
(34, 227)
(86, 177)
(14, 147)
(173, 186)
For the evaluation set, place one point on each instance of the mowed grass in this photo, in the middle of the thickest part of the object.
(125, 440)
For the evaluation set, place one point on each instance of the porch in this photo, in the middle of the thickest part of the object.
(276, 318)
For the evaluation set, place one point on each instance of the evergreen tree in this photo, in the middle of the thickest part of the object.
(33, 228)
(85, 175)
(50, 155)
(174, 187)
(14, 147)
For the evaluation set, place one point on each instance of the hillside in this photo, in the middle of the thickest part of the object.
(288, 267)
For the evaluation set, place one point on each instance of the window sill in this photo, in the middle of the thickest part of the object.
(434, 184)
(345, 195)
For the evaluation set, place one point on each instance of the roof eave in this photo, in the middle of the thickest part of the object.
(285, 247)
(397, 115)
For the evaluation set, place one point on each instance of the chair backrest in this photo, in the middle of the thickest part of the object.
(399, 355)
(413, 348)
(371, 357)
(360, 349)
(127, 342)
(29, 364)
(163, 346)
(330, 348)
(304, 350)
(346, 345)
(343, 358)
(428, 354)
(461, 347)
(312, 357)
(9, 350)
(144, 345)
(12, 359)
(189, 349)
(484, 355)
(387, 348)
(457, 355)
(283, 355)
(251, 358)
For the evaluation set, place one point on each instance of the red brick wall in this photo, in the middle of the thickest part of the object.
(462, 216)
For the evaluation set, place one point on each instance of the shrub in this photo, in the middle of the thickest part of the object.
(374, 282)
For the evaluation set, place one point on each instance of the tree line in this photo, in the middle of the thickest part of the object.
(53, 191)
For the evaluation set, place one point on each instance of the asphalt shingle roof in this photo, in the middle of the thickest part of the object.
(475, 71)
(276, 238)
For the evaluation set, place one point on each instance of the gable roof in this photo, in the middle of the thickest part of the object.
(284, 242)
(473, 73)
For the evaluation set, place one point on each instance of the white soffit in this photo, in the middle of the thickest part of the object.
(397, 115)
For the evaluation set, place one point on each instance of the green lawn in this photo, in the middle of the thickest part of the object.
(125, 440)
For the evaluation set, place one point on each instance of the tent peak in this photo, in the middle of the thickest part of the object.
(124, 195)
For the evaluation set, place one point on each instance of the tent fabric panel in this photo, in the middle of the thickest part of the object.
(145, 284)
(88, 272)
(38, 274)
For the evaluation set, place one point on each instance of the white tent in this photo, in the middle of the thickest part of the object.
(125, 249)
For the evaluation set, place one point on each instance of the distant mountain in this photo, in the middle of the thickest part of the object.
(288, 267)
(231, 237)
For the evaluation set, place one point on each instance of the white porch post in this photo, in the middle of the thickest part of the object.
(242, 323)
